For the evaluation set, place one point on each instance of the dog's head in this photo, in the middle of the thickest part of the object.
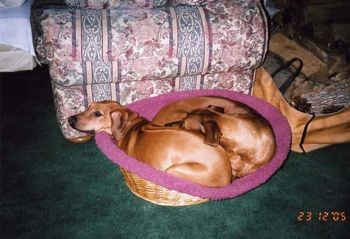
(96, 118)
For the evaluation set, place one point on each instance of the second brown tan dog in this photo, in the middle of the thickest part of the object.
(247, 138)
(175, 151)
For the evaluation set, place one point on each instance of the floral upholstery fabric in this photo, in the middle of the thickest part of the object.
(153, 43)
(109, 4)
(130, 53)
(191, 2)
(105, 4)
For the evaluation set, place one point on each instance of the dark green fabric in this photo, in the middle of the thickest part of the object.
(51, 188)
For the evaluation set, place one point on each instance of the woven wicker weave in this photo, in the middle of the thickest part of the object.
(158, 194)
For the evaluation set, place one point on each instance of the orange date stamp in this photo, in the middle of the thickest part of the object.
(322, 216)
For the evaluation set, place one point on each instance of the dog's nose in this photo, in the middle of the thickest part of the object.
(72, 120)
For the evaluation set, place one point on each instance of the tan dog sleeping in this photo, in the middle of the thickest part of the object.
(245, 135)
(175, 151)
(247, 138)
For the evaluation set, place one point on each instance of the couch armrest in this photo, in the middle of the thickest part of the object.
(140, 44)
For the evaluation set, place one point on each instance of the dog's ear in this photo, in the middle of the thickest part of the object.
(218, 109)
(118, 121)
(212, 133)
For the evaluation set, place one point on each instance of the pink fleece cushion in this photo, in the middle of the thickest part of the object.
(149, 107)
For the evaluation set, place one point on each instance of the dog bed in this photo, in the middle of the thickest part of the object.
(165, 189)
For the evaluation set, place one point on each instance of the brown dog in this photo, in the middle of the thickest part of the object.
(175, 151)
(247, 138)
(245, 135)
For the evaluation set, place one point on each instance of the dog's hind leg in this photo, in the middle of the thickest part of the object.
(200, 174)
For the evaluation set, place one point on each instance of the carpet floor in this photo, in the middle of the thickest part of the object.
(51, 188)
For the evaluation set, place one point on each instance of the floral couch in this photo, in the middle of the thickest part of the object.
(130, 50)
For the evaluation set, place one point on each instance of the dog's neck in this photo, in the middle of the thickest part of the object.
(131, 125)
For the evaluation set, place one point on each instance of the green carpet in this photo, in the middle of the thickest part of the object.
(51, 188)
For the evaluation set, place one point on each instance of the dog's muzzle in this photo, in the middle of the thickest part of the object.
(72, 120)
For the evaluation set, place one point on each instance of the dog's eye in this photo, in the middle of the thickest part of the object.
(97, 113)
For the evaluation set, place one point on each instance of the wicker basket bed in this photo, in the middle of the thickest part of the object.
(164, 189)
